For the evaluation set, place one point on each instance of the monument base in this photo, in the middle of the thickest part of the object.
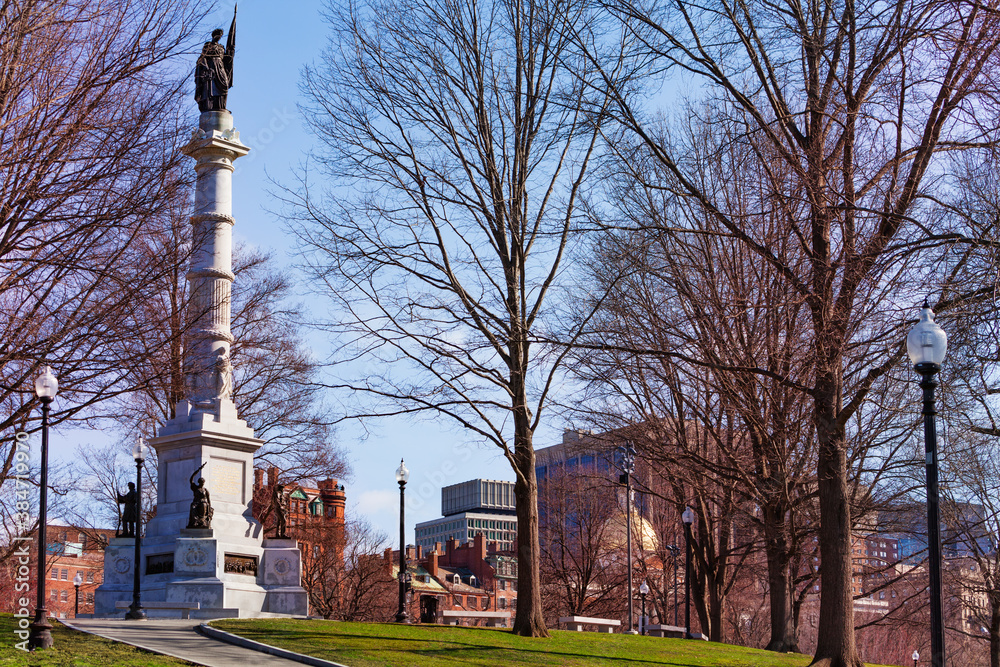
(214, 577)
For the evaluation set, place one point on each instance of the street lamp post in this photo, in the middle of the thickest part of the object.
(672, 548)
(688, 518)
(77, 580)
(402, 474)
(628, 469)
(643, 592)
(926, 345)
(135, 611)
(915, 656)
(46, 388)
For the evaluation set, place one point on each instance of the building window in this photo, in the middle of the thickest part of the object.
(64, 575)
(55, 573)
(63, 596)
(457, 600)
(54, 595)
(90, 577)
(502, 602)
(90, 598)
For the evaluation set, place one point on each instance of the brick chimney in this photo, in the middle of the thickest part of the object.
(479, 546)
(258, 478)
(272, 476)
(432, 564)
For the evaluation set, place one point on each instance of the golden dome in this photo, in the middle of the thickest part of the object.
(616, 535)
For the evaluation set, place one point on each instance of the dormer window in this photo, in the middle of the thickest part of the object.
(472, 581)
(456, 579)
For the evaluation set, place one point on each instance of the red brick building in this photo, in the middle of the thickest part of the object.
(71, 551)
(474, 576)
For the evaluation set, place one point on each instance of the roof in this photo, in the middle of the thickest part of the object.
(465, 575)
(419, 574)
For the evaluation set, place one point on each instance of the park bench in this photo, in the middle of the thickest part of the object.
(184, 607)
(671, 631)
(493, 618)
(577, 623)
(665, 631)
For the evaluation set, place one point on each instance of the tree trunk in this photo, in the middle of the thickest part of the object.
(835, 644)
(784, 632)
(994, 633)
(529, 620)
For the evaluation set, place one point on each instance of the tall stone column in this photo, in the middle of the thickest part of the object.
(208, 371)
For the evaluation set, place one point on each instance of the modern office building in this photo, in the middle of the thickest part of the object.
(476, 507)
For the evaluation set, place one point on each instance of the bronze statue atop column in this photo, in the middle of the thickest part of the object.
(213, 73)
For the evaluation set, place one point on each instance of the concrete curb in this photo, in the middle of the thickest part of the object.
(243, 642)
(121, 641)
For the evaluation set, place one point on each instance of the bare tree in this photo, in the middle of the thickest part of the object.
(703, 312)
(100, 476)
(850, 108)
(344, 573)
(90, 106)
(581, 522)
(458, 136)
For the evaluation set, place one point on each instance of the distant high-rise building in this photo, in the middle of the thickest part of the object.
(476, 507)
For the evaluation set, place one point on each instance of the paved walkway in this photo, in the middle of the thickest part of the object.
(178, 638)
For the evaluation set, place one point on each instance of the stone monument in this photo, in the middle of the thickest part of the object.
(204, 546)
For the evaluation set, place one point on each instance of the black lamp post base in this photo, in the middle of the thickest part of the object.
(135, 613)
(402, 617)
(41, 632)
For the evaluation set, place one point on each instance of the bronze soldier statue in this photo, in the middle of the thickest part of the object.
(280, 512)
(130, 513)
(213, 73)
(201, 512)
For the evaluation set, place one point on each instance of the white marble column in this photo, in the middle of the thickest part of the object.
(215, 145)
(208, 371)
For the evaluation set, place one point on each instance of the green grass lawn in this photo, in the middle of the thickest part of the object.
(391, 645)
(76, 649)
